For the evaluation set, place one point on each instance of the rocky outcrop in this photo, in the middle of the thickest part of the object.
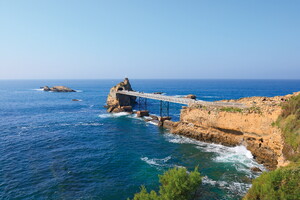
(118, 102)
(190, 96)
(58, 89)
(252, 127)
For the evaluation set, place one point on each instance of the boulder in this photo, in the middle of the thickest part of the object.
(255, 169)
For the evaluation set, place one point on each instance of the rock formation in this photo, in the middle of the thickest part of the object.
(190, 96)
(58, 89)
(252, 127)
(118, 102)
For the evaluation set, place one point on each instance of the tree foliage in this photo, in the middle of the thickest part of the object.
(176, 184)
(281, 184)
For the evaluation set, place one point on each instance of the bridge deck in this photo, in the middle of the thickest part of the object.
(179, 100)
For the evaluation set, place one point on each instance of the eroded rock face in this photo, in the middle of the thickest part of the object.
(58, 89)
(251, 127)
(118, 102)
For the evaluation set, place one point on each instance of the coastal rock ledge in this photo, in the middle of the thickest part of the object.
(252, 127)
(117, 102)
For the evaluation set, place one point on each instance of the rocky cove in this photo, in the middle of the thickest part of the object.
(252, 126)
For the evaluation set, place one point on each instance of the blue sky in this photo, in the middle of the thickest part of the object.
(69, 39)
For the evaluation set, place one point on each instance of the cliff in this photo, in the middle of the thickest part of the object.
(253, 127)
(118, 102)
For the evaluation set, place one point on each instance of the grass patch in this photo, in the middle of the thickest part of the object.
(231, 109)
(283, 183)
(254, 109)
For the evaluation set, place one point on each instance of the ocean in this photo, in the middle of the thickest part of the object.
(54, 148)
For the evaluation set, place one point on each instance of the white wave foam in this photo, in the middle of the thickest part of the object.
(78, 90)
(40, 89)
(114, 115)
(156, 161)
(89, 124)
(239, 156)
(234, 187)
(179, 96)
(153, 122)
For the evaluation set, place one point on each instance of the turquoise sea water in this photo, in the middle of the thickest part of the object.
(55, 148)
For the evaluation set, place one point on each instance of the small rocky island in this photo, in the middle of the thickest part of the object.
(57, 89)
(118, 102)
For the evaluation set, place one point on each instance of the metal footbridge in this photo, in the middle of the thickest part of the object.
(179, 100)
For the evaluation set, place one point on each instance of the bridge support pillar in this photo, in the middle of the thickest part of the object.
(142, 103)
(162, 119)
(164, 109)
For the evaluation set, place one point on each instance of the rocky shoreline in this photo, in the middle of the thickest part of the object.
(252, 126)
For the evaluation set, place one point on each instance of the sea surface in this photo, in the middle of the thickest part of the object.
(54, 148)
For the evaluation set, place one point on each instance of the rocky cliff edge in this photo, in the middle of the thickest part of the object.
(252, 126)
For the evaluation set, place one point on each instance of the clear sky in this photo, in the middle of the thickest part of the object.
(71, 39)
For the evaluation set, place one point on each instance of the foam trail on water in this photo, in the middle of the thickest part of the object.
(40, 89)
(235, 187)
(114, 115)
(156, 161)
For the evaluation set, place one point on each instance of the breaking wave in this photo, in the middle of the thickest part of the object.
(234, 187)
(160, 163)
(239, 156)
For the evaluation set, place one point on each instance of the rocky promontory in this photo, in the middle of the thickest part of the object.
(117, 102)
(57, 89)
(252, 127)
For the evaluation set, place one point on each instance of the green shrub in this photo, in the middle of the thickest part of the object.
(254, 109)
(176, 184)
(283, 183)
(289, 123)
(231, 109)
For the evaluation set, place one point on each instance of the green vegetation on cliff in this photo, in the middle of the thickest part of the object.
(282, 183)
(289, 123)
(176, 184)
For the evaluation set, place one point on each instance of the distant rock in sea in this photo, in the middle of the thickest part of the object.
(58, 89)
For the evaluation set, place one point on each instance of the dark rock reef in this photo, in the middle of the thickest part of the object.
(57, 89)
(118, 102)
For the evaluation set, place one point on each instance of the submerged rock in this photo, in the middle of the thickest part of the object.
(58, 89)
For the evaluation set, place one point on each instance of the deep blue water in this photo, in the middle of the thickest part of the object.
(55, 148)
